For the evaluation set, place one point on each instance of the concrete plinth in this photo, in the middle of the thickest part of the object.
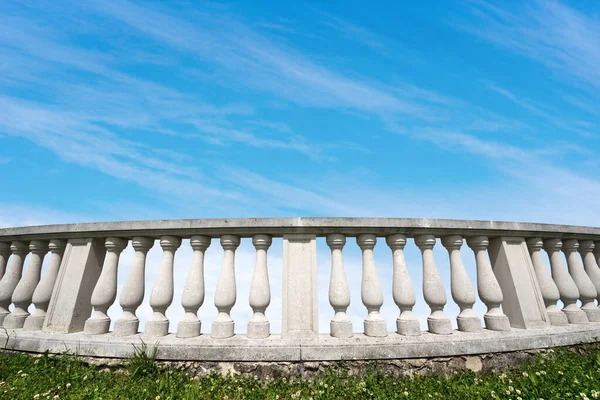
(259, 330)
(188, 329)
(468, 324)
(439, 325)
(157, 328)
(375, 328)
(498, 322)
(576, 316)
(222, 330)
(341, 329)
(126, 327)
(592, 313)
(408, 327)
(15, 320)
(558, 318)
(96, 326)
(34, 322)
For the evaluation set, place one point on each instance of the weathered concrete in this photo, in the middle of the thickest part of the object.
(70, 305)
(321, 348)
(523, 301)
(300, 313)
(277, 227)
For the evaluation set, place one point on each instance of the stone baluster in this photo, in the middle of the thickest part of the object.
(597, 253)
(11, 278)
(132, 293)
(225, 294)
(487, 286)
(4, 254)
(162, 291)
(23, 293)
(587, 290)
(260, 290)
(371, 292)
(433, 288)
(586, 248)
(565, 284)
(339, 292)
(402, 289)
(193, 292)
(550, 292)
(105, 291)
(460, 286)
(43, 291)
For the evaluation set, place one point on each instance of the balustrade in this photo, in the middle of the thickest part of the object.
(97, 265)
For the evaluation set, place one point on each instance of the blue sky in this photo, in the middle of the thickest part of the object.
(118, 110)
(122, 110)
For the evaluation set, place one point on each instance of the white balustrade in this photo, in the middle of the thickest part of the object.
(260, 290)
(193, 292)
(23, 293)
(4, 254)
(585, 286)
(371, 293)
(433, 288)
(569, 294)
(586, 248)
(43, 291)
(105, 291)
(132, 293)
(460, 286)
(11, 278)
(597, 252)
(225, 293)
(488, 287)
(339, 292)
(549, 290)
(161, 296)
(402, 289)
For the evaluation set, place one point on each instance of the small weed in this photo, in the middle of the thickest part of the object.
(142, 361)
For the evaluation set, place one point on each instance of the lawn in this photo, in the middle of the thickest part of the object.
(562, 373)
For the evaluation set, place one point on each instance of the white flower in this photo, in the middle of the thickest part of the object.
(68, 385)
(405, 393)
(525, 374)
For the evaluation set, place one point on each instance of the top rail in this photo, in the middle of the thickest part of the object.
(277, 227)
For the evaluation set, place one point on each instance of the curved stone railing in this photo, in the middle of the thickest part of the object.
(69, 302)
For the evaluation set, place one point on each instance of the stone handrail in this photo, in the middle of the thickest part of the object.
(69, 302)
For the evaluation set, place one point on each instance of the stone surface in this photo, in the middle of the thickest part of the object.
(523, 303)
(319, 349)
(300, 313)
(70, 305)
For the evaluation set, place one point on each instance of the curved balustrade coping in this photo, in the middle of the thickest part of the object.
(277, 227)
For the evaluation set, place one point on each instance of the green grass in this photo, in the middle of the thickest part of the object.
(559, 374)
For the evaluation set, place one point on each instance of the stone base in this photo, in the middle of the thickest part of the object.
(222, 330)
(439, 326)
(496, 322)
(558, 318)
(3, 315)
(15, 321)
(468, 324)
(259, 330)
(96, 326)
(188, 329)
(593, 314)
(34, 323)
(125, 327)
(156, 328)
(576, 316)
(341, 329)
(375, 328)
(408, 327)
